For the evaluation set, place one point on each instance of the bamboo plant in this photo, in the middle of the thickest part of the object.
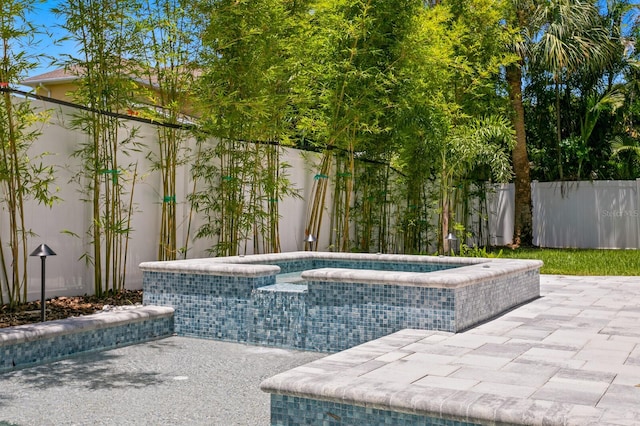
(166, 53)
(23, 177)
(373, 202)
(244, 99)
(355, 51)
(108, 174)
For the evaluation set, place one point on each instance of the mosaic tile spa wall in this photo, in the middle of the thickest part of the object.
(324, 314)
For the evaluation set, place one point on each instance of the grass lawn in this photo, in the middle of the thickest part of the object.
(580, 261)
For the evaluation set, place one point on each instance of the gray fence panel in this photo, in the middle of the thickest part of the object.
(601, 214)
(501, 214)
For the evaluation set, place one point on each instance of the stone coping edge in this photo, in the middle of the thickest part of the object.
(101, 320)
(476, 269)
(459, 405)
(434, 402)
(207, 267)
(448, 278)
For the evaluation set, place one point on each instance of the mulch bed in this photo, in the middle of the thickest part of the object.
(65, 307)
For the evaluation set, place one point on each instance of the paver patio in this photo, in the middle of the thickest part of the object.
(569, 357)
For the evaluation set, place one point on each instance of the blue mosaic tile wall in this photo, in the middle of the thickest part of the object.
(210, 306)
(58, 347)
(291, 410)
(383, 266)
(236, 309)
(203, 285)
(294, 265)
(279, 318)
(324, 316)
(483, 301)
(348, 314)
(321, 316)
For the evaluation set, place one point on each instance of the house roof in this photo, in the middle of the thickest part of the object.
(60, 75)
(70, 74)
(66, 75)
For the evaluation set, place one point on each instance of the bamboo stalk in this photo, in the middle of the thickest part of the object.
(276, 214)
(315, 217)
(190, 216)
(129, 216)
(347, 206)
(13, 220)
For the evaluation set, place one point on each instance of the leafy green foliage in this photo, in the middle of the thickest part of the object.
(23, 176)
(245, 101)
(166, 54)
(104, 32)
(418, 90)
(477, 251)
(581, 72)
(453, 123)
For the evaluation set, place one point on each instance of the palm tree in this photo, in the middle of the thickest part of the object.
(519, 17)
(561, 36)
(626, 150)
(570, 37)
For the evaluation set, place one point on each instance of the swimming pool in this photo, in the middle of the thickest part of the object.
(328, 302)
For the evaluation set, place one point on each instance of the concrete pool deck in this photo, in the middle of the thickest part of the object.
(171, 381)
(570, 357)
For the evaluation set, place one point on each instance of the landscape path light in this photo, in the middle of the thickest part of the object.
(452, 243)
(309, 239)
(43, 251)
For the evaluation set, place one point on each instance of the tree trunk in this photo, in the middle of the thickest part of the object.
(558, 130)
(523, 223)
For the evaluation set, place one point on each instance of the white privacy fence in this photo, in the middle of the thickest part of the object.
(501, 214)
(600, 214)
(571, 214)
(63, 227)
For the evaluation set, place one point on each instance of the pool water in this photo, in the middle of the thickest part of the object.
(290, 278)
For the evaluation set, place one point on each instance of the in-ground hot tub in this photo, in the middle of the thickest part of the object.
(339, 300)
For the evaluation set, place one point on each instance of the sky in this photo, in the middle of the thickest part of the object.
(42, 17)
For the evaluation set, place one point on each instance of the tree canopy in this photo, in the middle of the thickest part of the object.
(441, 96)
